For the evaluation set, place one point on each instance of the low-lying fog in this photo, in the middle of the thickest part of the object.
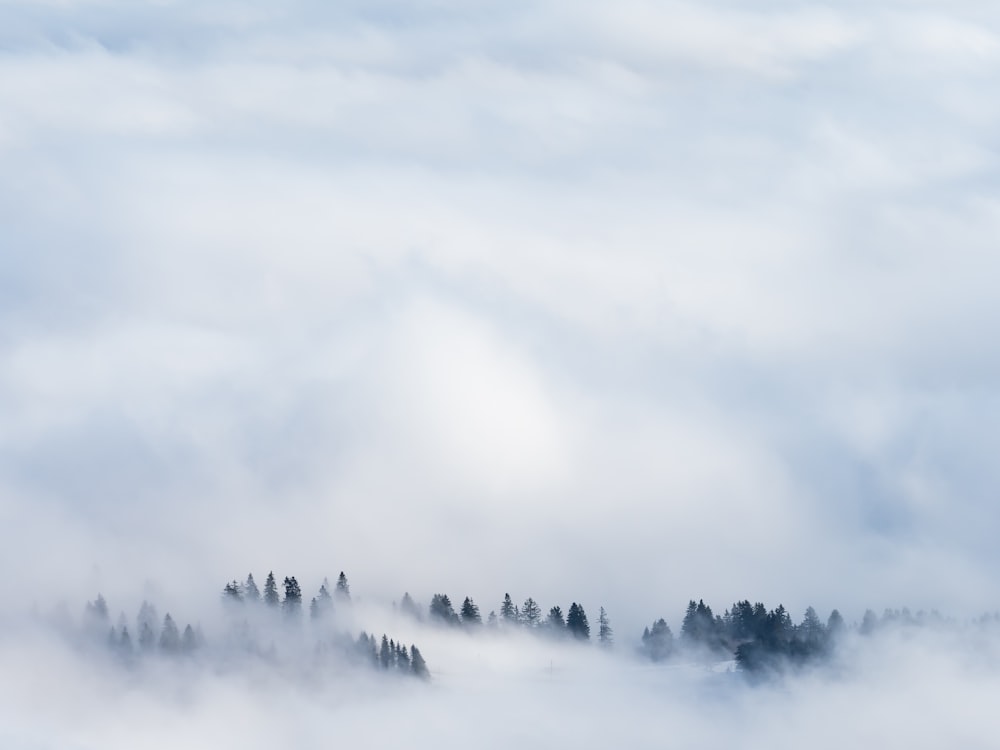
(919, 686)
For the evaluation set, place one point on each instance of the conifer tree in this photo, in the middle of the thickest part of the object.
(292, 603)
(147, 639)
(531, 613)
(384, 654)
(170, 637)
(605, 634)
(470, 613)
(232, 593)
(343, 589)
(417, 664)
(441, 610)
(576, 622)
(251, 593)
(271, 598)
(555, 621)
(508, 611)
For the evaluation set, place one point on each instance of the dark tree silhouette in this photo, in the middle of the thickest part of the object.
(271, 597)
(576, 622)
(343, 589)
(531, 613)
(658, 641)
(470, 613)
(251, 593)
(441, 610)
(508, 611)
(555, 621)
(292, 603)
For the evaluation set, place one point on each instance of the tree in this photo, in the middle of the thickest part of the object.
(343, 589)
(811, 629)
(508, 611)
(251, 593)
(271, 597)
(232, 593)
(322, 603)
(658, 641)
(384, 654)
(576, 622)
(531, 613)
(293, 597)
(868, 623)
(555, 621)
(604, 632)
(470, 613)
(170, 637)
(440, 609)
(835, 624)
(417, 664)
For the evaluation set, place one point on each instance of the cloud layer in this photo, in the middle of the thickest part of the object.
(620, 306)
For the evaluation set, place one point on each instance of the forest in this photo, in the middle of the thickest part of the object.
(273, 624)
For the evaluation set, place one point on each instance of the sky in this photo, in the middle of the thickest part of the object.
(621, 304)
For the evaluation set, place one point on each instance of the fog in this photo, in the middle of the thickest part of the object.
(623, 305)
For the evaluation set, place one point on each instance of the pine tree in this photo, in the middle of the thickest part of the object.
(170, 638)
(835, 624)
(271, 597)
(232, 593)
(343, 589)
(658, 643)
(576, 622)
(384, 654)
(555, 621)
(470, 613)
(417, 664)
(531, 613)
(508, 612)
(441, 610)
(604, 632)
(292, 604)
(251, 593)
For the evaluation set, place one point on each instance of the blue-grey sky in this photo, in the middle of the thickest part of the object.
(623, 304)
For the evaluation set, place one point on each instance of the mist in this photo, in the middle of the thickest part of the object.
(623, 306)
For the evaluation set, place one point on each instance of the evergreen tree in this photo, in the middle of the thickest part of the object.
(97, 611)
(576, 622)
(441, 610)
(508, 611)
(417, 664)
(271, 598)
(531, 613)
(811, 629)
(232, 593)
(170, 637)
(343, 589)
(293, 598)
(314, 609)
(251, 593)
(835, 624)
(604, 632)
(555, 621)
(384, 654)
(403, 659)
(492, 620)
(658, 642)
(470, 614)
